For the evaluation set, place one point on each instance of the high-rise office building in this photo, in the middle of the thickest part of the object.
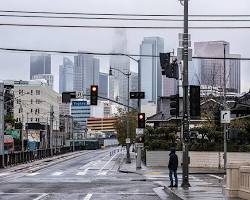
(103, 84)
(66, 76)
(85, 72)
(118, 82)
(212, 70)
(40, 64)
(151, 77)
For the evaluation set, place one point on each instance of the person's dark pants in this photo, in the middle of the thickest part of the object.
(171, 172)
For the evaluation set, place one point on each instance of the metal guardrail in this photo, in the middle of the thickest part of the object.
(22, 157)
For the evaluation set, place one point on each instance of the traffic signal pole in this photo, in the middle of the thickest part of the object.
(128, 144)
(185, 122)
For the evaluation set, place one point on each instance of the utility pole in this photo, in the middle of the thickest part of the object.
(185, 164)
(2, 122)
(128, 144)
(225, 108)
(138, 158)
(51, 129)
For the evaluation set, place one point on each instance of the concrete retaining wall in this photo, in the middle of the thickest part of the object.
(197, 159)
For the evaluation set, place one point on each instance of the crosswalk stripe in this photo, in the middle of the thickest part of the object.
(5, 174)
(83, 172)
(33, 174)
(88, 197)
(102, 173)
(57, 173)
(218, 177)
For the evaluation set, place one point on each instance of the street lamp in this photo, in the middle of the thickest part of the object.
(127, 75)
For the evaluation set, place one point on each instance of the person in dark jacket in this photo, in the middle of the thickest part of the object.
(172, 166)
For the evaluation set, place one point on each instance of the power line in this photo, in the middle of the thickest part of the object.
(122, 27)
(122, 19)
(120, 14)
(109, 54)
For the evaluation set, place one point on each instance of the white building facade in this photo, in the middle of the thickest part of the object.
(33, 101)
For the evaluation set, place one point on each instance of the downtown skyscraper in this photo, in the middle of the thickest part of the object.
(212, 70)
(151, 77)
(118, 82)
(66, 75)
(40, 64)
(85, 72)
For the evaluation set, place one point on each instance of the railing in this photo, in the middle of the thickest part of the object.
(16, 158)
(238, 180)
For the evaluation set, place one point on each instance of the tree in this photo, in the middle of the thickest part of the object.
(123, 117)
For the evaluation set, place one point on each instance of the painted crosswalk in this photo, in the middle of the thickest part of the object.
(57, 173)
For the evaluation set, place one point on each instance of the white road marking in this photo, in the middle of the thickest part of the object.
(100, 171)
(40, 197)
(5, 174)
(57, 173)
(218, 177)
(88, 197)
(87, 165)
(33, 174)
(83, 173)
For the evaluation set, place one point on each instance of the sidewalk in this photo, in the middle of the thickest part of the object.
(203, 186)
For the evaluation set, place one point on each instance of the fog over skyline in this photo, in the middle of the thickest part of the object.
(15, 65)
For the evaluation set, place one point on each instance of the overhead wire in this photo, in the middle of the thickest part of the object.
(122, 19)
(119, 27)
(123, 14)
(110, 54)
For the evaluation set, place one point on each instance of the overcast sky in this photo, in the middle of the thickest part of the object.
(16, 65)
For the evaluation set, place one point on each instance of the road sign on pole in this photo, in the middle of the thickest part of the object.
(127, 140)
(139, 145)
(79, 94)
(139, 131)
(225, 117)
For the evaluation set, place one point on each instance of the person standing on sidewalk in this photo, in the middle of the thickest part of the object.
(172, 166)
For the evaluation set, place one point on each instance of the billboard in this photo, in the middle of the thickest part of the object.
(34, 135)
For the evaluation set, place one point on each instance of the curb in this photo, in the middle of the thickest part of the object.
(172, 194)
(126, 171)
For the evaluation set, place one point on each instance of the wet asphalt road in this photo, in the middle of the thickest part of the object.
(91, 176)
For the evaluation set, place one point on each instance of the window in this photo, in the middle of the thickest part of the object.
(18, 101)
(38, 92)
(31, 119)
(31, 110)
(38, 101)
(31, 101)
(31, 92)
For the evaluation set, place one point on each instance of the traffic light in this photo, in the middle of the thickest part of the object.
(174, 105)
(195, 102)
(94, 95)
(165, 62)
(67, 96)
(173, 70)
(141, 120)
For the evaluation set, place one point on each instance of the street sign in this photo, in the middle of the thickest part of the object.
(137, 95)
(127, 140)
(139, 131)
(79, 94)
(139, 145)
(225, 117)
(180, 54)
